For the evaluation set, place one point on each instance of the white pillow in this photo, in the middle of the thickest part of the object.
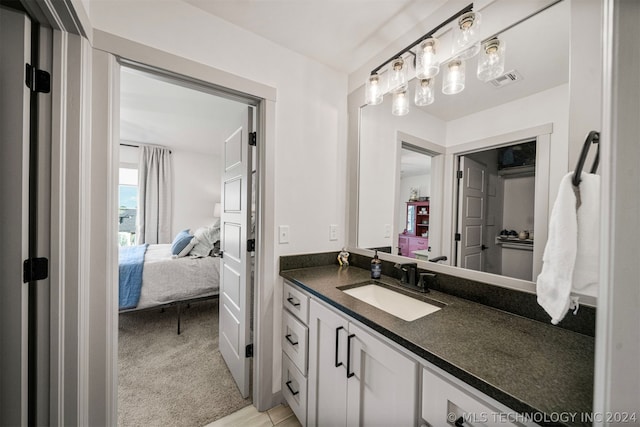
(205, 238)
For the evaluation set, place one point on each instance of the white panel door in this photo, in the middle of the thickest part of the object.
(382, 385)
(472, 214)
(15, 52)
(234, 324)
(327, 392)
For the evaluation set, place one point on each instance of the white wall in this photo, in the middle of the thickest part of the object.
(518, 211)
(518, 203)
(310, 117)
(196, 189)
(379, 151)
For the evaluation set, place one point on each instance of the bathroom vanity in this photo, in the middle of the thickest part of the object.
(346, 362)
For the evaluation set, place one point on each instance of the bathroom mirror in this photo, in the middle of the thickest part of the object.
(483, 132)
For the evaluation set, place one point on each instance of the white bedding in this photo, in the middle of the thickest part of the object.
(166, 279)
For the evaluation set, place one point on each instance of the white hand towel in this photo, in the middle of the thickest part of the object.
(571, 257)
(587, 268)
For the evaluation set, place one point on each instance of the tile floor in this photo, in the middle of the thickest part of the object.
(280, 416)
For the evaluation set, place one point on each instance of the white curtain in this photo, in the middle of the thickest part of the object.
(154, 195)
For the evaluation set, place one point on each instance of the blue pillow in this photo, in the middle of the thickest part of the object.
(181, 241)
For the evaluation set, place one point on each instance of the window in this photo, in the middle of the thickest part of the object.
(128, 203)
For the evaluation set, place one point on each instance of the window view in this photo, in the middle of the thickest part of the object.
(128, 202)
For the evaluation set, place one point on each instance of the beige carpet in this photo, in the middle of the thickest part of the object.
(167, 379)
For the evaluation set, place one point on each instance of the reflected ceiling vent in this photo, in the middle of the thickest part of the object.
(507, 78)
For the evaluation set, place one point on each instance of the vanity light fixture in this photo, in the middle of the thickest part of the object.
(400, 105)
(424, 92)
(454, 78)
(427, 65)
(465, 43)
(374, 90)
(424, 51)
(398, 78)
(491, 60)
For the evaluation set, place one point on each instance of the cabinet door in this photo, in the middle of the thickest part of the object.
(383, 388)
(327, 383)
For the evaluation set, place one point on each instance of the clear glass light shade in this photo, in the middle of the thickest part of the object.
(400, 105)
(427, 65)
(491, 60)
(465, 39)
(453, 81)
(424, 92)
(373, 90)
(398, 76)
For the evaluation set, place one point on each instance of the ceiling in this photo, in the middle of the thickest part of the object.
(342, 34)
(155, 110)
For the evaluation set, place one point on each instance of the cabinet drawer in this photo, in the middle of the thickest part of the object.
(294, 389)
(294, 340)
(443, 403)
(296, 302)
(417, 244)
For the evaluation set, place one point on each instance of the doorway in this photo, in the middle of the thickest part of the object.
(194, 123)
(496, 209)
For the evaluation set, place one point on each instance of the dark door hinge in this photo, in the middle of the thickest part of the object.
(35, 269)
(253, 138)
(37, 80)
(221, 254)
(248, 351)
(251, 245)
(457, 237)
(459, 175)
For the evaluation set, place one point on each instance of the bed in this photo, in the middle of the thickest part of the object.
(151, 276)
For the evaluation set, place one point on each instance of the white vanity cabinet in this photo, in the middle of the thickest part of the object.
(446, 401)
(337, 372)
(295, 350)
(355, 378)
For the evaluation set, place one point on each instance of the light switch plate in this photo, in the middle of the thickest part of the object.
(387, 230)
(283, 233)
(333, 232)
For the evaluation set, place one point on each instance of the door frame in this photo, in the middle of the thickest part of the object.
(542, 135)
(264, 98)
(436, 152)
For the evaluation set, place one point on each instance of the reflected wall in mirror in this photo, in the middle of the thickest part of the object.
(393, 161)
(529, 103)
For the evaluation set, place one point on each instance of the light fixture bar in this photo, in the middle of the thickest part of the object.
(468, 8)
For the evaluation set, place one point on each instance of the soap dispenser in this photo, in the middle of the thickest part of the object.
(376, 266)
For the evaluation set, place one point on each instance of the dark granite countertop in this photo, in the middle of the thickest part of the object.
(529, 366)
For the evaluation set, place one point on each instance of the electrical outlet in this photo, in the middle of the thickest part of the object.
(283, 233)
(387, 230)
(333, 232)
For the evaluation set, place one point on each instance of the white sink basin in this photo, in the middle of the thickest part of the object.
(392, 302)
